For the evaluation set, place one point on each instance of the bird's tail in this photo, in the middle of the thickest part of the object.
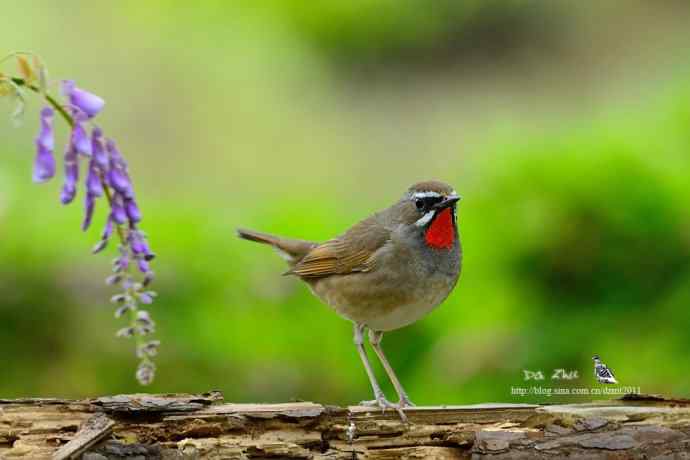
(292, 250)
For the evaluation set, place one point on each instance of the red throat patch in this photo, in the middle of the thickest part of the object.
(441, 233)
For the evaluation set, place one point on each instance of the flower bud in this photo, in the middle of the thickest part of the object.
(88, 103)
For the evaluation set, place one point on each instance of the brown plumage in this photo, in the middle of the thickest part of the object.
(386, 271)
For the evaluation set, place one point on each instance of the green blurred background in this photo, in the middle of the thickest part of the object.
(565, 126)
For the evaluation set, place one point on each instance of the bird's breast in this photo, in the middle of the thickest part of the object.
(398, 292)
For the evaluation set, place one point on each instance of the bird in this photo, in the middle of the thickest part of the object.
(385, 272)
(602, 373)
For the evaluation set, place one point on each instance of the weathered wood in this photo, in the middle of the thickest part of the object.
(203, 426)
(157, 403)
(92, 431)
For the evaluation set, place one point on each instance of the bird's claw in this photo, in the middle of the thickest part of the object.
(384, 404)
(380, 401)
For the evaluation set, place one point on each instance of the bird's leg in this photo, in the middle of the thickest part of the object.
(380, 399)
(359, 343)
(375, 340)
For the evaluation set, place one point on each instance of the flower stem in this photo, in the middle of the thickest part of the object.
(50, 99)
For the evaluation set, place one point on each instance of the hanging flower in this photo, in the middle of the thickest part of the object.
(117, 210)
(69, 188)
(94, 189)
(93, 181)
(106, 175)
(97, 150)
(132, 209)
(88, 103)
(117, 176)
(79, 138)
(90, 205)
(44, 164)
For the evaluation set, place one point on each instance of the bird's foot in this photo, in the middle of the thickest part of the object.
(384, 404)
(380, 401)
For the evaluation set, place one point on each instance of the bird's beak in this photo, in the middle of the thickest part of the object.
(450, 200)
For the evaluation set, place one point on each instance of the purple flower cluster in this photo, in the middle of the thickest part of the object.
(106, 171)
(106, 175)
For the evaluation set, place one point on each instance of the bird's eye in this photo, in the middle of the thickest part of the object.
(419, 203)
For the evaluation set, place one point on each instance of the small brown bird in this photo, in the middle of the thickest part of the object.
(385, 272)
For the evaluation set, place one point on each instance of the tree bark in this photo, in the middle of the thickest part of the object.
(204, 426)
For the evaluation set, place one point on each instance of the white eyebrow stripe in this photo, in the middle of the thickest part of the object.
(425, 219)
(426, 195)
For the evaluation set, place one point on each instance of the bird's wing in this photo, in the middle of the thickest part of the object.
(349, 253)
(609, 372)
(602, 372)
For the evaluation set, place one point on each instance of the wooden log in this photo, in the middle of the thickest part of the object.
(204, 426)
(92, 431)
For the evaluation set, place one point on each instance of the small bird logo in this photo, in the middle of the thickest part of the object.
(602, 372)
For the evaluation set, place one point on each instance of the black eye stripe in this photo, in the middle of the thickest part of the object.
(427, 202)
